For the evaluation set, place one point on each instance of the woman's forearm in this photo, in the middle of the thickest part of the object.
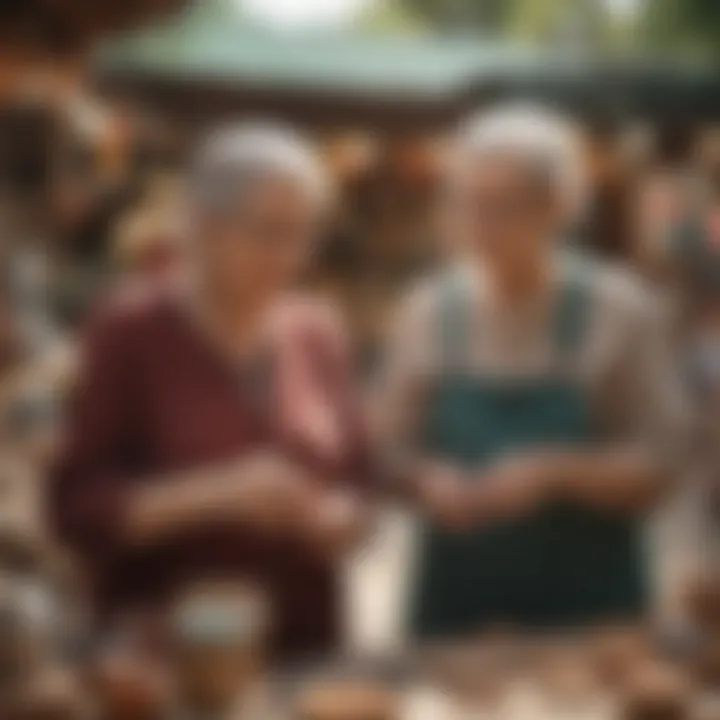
(402, 472)
(168, 505)
(264, 491)
(623, 479)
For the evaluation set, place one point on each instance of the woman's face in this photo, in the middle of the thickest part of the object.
(497, 210)
(260, 244)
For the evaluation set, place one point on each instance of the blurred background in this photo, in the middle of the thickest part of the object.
(102, 103)
(101, 107)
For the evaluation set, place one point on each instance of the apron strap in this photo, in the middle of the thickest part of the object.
(454, 322)
(573, 306)
(573, 310)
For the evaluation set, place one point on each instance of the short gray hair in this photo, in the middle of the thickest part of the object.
(231, 159)
(544, 140)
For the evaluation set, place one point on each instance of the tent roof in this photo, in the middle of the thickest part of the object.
(213, 42)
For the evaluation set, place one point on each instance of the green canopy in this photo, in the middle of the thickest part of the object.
(214, 45)
(213, 42)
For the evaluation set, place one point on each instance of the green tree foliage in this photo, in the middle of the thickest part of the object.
(686, 26)
(583, 22)
(689, 25)
(392, 17)
(486, 16)
(537, 20)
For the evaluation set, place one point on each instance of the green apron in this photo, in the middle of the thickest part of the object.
(563, 565)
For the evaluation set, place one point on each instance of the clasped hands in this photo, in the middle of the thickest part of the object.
(509, 489)
(277, 496)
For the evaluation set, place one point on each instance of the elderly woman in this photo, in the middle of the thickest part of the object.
(214, 431)
(528, 399)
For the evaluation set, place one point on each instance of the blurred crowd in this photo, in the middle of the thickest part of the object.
(166, 548)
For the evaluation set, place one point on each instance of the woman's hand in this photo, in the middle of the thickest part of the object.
(446, 496)
(513, 488)
(266, 490)
(337, 521)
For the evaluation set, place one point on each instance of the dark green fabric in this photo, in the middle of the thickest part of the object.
(565, 564)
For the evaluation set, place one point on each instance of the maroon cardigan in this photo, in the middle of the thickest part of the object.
(152, 398)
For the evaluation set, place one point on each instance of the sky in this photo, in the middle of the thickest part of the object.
(623, 7)
(304, 13)
(311, 13)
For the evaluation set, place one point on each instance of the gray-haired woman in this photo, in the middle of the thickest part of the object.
(214, 431)
(529, 400)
